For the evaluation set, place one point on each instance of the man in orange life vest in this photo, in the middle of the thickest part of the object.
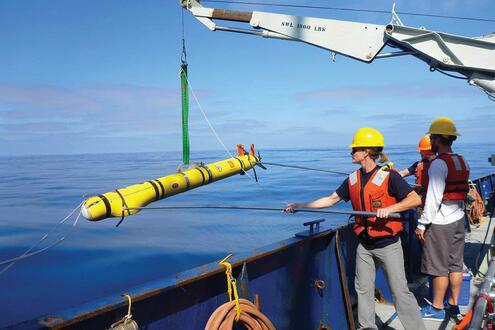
(420, 168)
(375, 190)
(441, 225)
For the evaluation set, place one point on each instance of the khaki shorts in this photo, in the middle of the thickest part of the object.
(443, 251)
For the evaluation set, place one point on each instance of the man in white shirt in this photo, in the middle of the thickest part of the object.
(441, 225)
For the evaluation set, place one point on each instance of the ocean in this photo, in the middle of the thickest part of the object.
(97, 259)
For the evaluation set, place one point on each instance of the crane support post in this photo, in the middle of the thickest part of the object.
(486, 83)
(445, 51)
(118, 203)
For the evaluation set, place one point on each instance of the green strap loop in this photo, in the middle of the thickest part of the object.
(185, 114)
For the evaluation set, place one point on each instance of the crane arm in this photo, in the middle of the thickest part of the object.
(474, 58)
(357, 40)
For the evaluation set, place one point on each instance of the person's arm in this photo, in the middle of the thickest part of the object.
(405, 196)
(409, 171)
(412, 200)
(316, 204)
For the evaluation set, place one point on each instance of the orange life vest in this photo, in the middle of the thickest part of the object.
(372, 197)
(421, 174)
(456, 183)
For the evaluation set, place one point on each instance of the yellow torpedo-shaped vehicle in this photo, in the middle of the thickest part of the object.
(120, 203)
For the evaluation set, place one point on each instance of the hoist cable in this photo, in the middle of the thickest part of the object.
(432, 69)
(186, 85)
(352, 9)
(185, 99)
(184, 54)
(304, 168)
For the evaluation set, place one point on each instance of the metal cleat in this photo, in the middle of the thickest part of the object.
(314, 228)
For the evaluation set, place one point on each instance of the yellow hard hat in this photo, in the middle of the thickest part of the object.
(443, 126)
(367, 137)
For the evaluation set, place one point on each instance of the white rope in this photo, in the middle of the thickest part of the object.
(211, 126)
(218, 137)
(219, 140)
(207, 120)
(28, 253)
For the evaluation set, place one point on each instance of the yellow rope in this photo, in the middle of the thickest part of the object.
(231, 285)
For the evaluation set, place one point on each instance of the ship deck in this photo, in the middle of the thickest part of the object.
(385, 312)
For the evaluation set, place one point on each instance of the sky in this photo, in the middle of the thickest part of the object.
(93, 76)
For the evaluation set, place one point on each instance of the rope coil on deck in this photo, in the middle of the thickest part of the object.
(476, 208)
(236, 310)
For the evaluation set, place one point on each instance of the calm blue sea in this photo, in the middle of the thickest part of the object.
(97, 259)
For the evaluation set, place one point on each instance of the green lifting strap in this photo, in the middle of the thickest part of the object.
(185, 113)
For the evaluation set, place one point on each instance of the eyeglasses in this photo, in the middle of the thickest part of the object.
(354, 150)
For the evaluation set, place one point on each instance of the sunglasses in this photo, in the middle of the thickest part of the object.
(354, 150)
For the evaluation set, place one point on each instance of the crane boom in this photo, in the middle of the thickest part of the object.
(474, 58)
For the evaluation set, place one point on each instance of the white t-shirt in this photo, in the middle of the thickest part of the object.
(437, 211)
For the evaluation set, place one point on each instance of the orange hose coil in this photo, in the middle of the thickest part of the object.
(223, 317)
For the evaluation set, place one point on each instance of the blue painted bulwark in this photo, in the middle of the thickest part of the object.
(297, 282)
(305, 282)
(485, 186)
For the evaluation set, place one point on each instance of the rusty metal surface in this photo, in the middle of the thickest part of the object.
(343, 280)
(232, 15)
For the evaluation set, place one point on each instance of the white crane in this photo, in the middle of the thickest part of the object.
(473, 58)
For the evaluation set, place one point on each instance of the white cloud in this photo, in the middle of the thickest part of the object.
(93, 98)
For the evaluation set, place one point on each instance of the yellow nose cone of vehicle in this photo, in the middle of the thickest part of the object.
(128, 200)
(367, 137)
